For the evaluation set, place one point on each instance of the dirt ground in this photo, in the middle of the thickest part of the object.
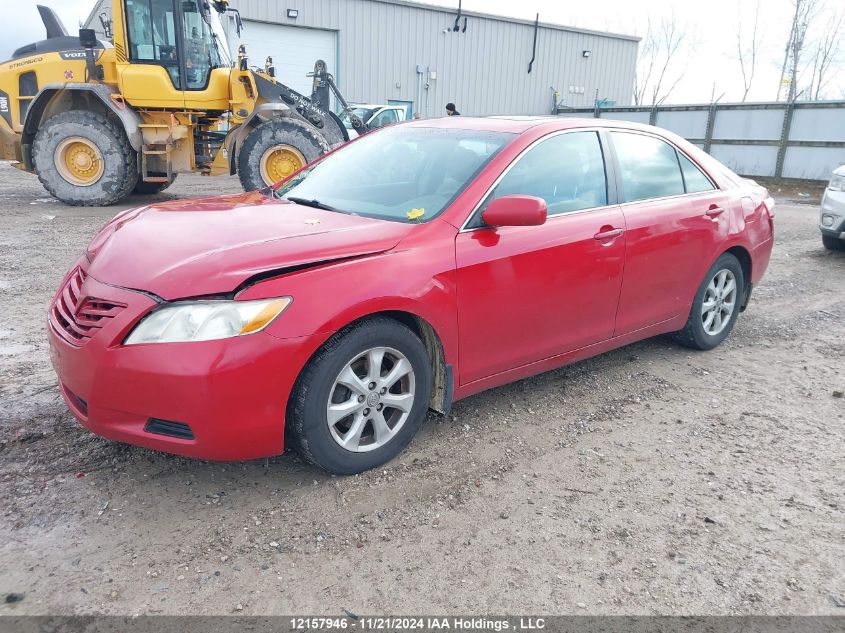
(650, 480)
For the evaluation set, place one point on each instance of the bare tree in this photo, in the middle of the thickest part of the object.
(747, 53)
(658, 55)
(803, 15)
(827, 51)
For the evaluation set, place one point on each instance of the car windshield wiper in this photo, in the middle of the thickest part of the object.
(315, 203)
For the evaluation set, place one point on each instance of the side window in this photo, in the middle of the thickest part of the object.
(694, 178)
(649, 167)
(152, 34)
(566, 170)
(384, 118)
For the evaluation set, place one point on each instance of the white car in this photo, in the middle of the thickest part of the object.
(373, 115)
(832, 222)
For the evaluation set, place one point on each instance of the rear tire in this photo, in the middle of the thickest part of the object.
(833, 243)
(84, 159)
(151, 188)
(716, 305)
(294, 144)
(323, 412)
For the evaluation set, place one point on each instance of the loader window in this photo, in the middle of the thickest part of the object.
(151, 27)
(201, 45)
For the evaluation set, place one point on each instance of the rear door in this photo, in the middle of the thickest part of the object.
(676, 221)
(532, 292)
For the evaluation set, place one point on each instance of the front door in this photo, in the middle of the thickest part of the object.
(529, 293)
(154, 76)
(172, 49)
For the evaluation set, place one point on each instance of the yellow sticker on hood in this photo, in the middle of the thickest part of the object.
(413, 214)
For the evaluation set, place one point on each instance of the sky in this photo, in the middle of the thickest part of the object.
(707, 64)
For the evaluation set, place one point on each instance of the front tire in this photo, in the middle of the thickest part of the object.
(84, 159)
(362, 398)
(275, 150)
(833, 243)
(716, 305)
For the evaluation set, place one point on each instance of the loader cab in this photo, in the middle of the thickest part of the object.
(175, 54)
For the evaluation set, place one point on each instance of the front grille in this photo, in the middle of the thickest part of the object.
(77, 317)
(171, 429)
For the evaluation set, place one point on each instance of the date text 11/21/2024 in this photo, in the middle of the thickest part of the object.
(407, 623)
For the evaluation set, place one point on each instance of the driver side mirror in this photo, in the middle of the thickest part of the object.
(516, 210)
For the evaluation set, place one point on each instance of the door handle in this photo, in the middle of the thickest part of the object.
(608, 234)
(714, 211)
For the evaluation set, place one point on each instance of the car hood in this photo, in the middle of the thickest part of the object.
(189, 248)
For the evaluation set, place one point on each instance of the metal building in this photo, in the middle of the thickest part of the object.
(399, 52)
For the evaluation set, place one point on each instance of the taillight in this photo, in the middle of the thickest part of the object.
(769, 203)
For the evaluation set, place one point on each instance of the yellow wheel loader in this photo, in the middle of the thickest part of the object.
(158, 96)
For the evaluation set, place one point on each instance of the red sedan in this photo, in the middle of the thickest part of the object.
(411, 268)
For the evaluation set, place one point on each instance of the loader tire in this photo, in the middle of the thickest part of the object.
(275, 150)
(151, 188)
(84, 159)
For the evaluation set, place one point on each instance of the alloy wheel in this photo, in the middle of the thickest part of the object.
(719, 302)
(371, 399)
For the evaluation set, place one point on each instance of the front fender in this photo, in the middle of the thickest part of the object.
(327, 298)
(261, 113)
(50, 97)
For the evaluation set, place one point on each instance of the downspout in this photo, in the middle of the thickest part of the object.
(534, 46)
(419, 104)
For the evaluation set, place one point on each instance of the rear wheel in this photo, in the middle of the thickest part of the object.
(362, 398)
(833, 243)
(84, 158)
(150, 188)
(275, 150)
(716, 305)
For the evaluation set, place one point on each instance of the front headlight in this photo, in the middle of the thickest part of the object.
(206, 320)
(837, 183)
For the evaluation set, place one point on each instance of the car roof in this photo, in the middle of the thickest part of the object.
(375, 105)
(517, 124)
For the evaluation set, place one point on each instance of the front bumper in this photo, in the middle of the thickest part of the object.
(832, 216)
(232, 393)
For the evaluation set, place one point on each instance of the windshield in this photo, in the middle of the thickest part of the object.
(402, 173)
(362, 113)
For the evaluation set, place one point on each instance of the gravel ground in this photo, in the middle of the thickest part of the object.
(648, 480)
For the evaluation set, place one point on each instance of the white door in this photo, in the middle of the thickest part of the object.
(293, 49)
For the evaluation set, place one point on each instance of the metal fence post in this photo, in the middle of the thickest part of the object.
(784, 138)
(711, 123)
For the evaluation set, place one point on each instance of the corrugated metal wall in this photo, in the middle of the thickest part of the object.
(804, 140)
(484, 71)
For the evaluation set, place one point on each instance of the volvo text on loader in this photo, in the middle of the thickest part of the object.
(158, 96)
